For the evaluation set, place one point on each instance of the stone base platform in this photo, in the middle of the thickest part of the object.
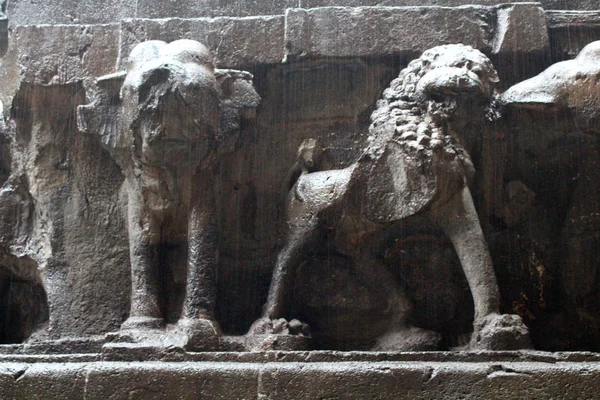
(144, 373)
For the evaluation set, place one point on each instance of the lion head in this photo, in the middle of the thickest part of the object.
(447, 86)
(427, 108)
(443, 78)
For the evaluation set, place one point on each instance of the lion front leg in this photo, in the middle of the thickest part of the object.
(272, 330)
(491, 330)
(144, 235)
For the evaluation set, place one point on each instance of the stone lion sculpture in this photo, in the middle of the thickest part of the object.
(414, 164)
(163, 129)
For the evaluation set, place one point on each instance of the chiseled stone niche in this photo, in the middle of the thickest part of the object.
(69, 189)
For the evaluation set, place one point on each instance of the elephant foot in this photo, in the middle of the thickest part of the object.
(408, 338)
(500, 332)
(186, 335)
(196, 334)
(145, 331)
(142, 323)
(279, 334)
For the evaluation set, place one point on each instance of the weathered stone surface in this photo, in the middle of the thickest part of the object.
(227, 38)
(356, 32)
(70, 224)
(68, 12)
(23, 12)
(66, 53)
(521, 28)
(343, 32)
(324, 90)
(284, 380)
(175, 380)
(42, 381)
(572, 19)
(63, 54)
(568, 89)
(570, 31)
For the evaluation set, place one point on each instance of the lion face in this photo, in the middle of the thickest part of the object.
(455, 78)
(170, 102)
(445, 80)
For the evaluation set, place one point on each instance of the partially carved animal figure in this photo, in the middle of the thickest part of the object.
(414, 164)
(165, 140)
(562, 107)
(567, 86)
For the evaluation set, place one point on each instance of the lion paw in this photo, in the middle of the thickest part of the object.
(277, 334)
(267, 326)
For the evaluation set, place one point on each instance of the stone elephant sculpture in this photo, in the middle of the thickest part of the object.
(163, 121)
(414, 163)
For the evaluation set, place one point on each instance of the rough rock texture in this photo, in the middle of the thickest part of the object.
(343, 31)
(282, 380)
(566, 89)
(227, 38)
(23, 12)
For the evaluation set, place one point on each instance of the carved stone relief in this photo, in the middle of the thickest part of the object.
(164, 131)
(414, 164)
(147, 174)
(406, 191)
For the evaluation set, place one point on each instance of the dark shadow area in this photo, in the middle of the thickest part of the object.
(23, 307)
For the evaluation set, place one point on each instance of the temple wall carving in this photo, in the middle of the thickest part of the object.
(294, 100)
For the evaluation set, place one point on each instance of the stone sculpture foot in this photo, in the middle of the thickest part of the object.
(277, 334)
(201, 334)
(145, 330)
(137, 333)
(196, 334)
(408, 338)
(500, 332)
(142, 323)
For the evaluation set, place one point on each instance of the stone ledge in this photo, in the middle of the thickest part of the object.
(234, 42)
(377, 31)
(570, 19)
(23, 12)
(57, 54)
(299, 380)
(76, 350)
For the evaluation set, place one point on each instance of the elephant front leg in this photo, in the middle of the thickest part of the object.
(144, 234)
(198, 320)
(492, 331)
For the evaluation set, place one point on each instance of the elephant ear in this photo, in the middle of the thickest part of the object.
(237, 105)
(238, 102)
(101, 116)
